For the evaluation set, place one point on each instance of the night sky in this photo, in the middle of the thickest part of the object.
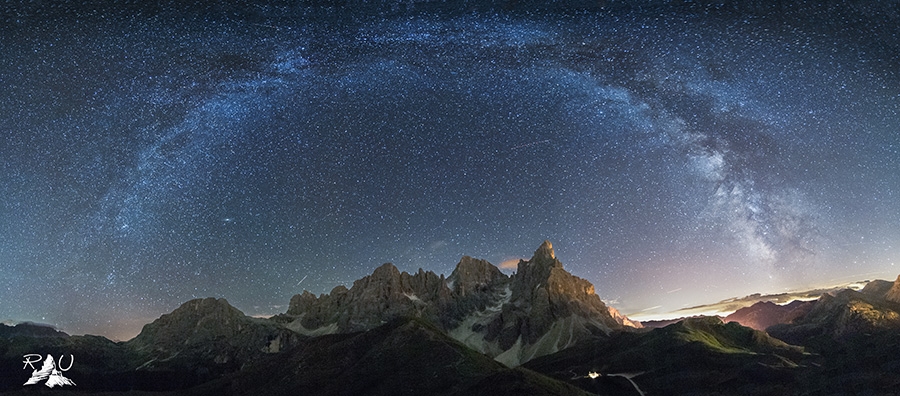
(675, 154)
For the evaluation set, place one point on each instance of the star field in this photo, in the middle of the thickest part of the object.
(674, 154)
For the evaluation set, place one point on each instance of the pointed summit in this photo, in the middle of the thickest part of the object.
(544, 252)
(547, 301)
(537, 270)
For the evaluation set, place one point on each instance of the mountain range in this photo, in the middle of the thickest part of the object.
(540, 309)
(540, 331)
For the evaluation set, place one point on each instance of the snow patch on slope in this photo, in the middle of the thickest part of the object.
(563, 334)
(412, 297)
(475, 340)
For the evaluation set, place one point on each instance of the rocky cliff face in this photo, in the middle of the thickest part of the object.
(624, 320)
(539, 310)
(893, 295)
(371, 302)
(549, 310)
(474, 276)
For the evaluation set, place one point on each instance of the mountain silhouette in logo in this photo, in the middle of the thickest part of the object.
(49, 372)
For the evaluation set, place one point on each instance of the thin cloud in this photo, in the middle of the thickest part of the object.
(512, 263)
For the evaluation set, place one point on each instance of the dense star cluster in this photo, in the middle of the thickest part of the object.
(675, 154)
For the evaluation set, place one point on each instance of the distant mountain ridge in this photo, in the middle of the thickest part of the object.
(30, 330)
(835, 314)
(540, 309)
(846, 315)
(764, 314)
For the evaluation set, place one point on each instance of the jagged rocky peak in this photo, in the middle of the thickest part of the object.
(545, 255)
(535, 272)
(424, 285)
(893, 295)
(547, 301)
(385, 294)
(545, 271)
(387, 281)
(301, 303)
(472, 275)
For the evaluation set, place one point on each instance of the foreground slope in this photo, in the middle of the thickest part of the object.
(406, 356)
(858, 336)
